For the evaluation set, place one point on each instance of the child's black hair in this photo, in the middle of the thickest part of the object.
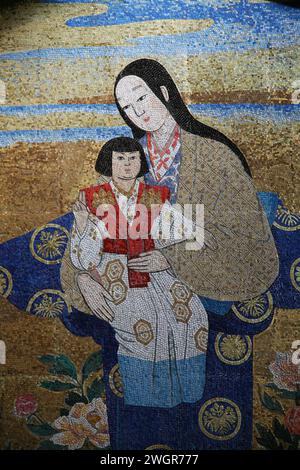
(119, 144)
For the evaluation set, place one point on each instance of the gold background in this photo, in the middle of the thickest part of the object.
(39, 181)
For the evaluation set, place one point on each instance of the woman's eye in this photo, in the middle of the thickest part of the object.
(141, 98)
(126, 107)
(120, 158)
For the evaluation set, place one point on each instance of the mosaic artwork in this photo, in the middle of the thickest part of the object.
(128, 322)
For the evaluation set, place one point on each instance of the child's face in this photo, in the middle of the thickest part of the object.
(126, 165)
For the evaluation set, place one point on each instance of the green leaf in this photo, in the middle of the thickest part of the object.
(49, 445)
(283, 393)
(56, 385)
(271, 403)
(59, 365)
(41, 429)
(74, 397)
(266, 439)
(92, 364)
(281, 432)
(64, 412)
(96, 389)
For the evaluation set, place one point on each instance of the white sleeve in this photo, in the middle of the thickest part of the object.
(86, 247)
(171, 226)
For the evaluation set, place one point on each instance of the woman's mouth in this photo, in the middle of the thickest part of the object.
(146, 119)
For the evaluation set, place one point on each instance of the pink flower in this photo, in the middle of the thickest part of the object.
(286, 375)
(25, 405)
(292, 420)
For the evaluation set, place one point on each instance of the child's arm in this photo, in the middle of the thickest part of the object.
(86, 237)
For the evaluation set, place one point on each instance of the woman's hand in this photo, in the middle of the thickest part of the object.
(149, 262)
(81, 212)
(96, 297)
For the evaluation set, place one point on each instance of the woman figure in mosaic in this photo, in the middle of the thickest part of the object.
(161, 327)
(200, 166)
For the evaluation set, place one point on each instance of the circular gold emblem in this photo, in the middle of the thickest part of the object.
(47, 303)
(233, 349)
(254, 310)
(295, 274)
(286, 220)
(48, 243)
(5, 282)
(115, 381)
(220, 419)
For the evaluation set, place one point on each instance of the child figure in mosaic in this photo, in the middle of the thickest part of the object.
(160, 325)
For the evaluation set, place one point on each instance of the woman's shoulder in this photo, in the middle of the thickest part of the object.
(210, 153)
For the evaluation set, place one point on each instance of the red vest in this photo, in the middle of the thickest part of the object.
(103, 194)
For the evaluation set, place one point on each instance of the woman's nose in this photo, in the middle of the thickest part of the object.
(138, 109)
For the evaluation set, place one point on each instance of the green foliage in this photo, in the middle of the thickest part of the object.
(74, 397)
(271, 403)
(96, 389)
(266, 438)
(57, 386)
(41, 429)
(94, 363)
(281, 432)
(59, 365)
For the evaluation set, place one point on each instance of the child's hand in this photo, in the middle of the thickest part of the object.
(81, 212)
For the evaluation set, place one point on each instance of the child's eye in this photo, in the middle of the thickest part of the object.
(141, 98)
(120, 158)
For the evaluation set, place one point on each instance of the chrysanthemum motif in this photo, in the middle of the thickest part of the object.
(5, 282)
(47, 303)
(115, 381)
(254, 310)
(220, 419)
(295, 274)
(48, 307)
(48, 243)
(51, 244)
(286, 220)
(233, 349)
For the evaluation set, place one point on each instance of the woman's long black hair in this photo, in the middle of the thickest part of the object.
(155, 76)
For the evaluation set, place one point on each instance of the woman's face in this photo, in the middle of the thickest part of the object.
(126, 165)
(140, 104)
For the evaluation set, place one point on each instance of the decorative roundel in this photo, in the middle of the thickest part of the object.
(220, 419)
(286, 220)
(295, 274)
(6, 282)
(158, 447)
(233, 349)
(48, 303)
(115, 381)
(48, 243)
(254, 310)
